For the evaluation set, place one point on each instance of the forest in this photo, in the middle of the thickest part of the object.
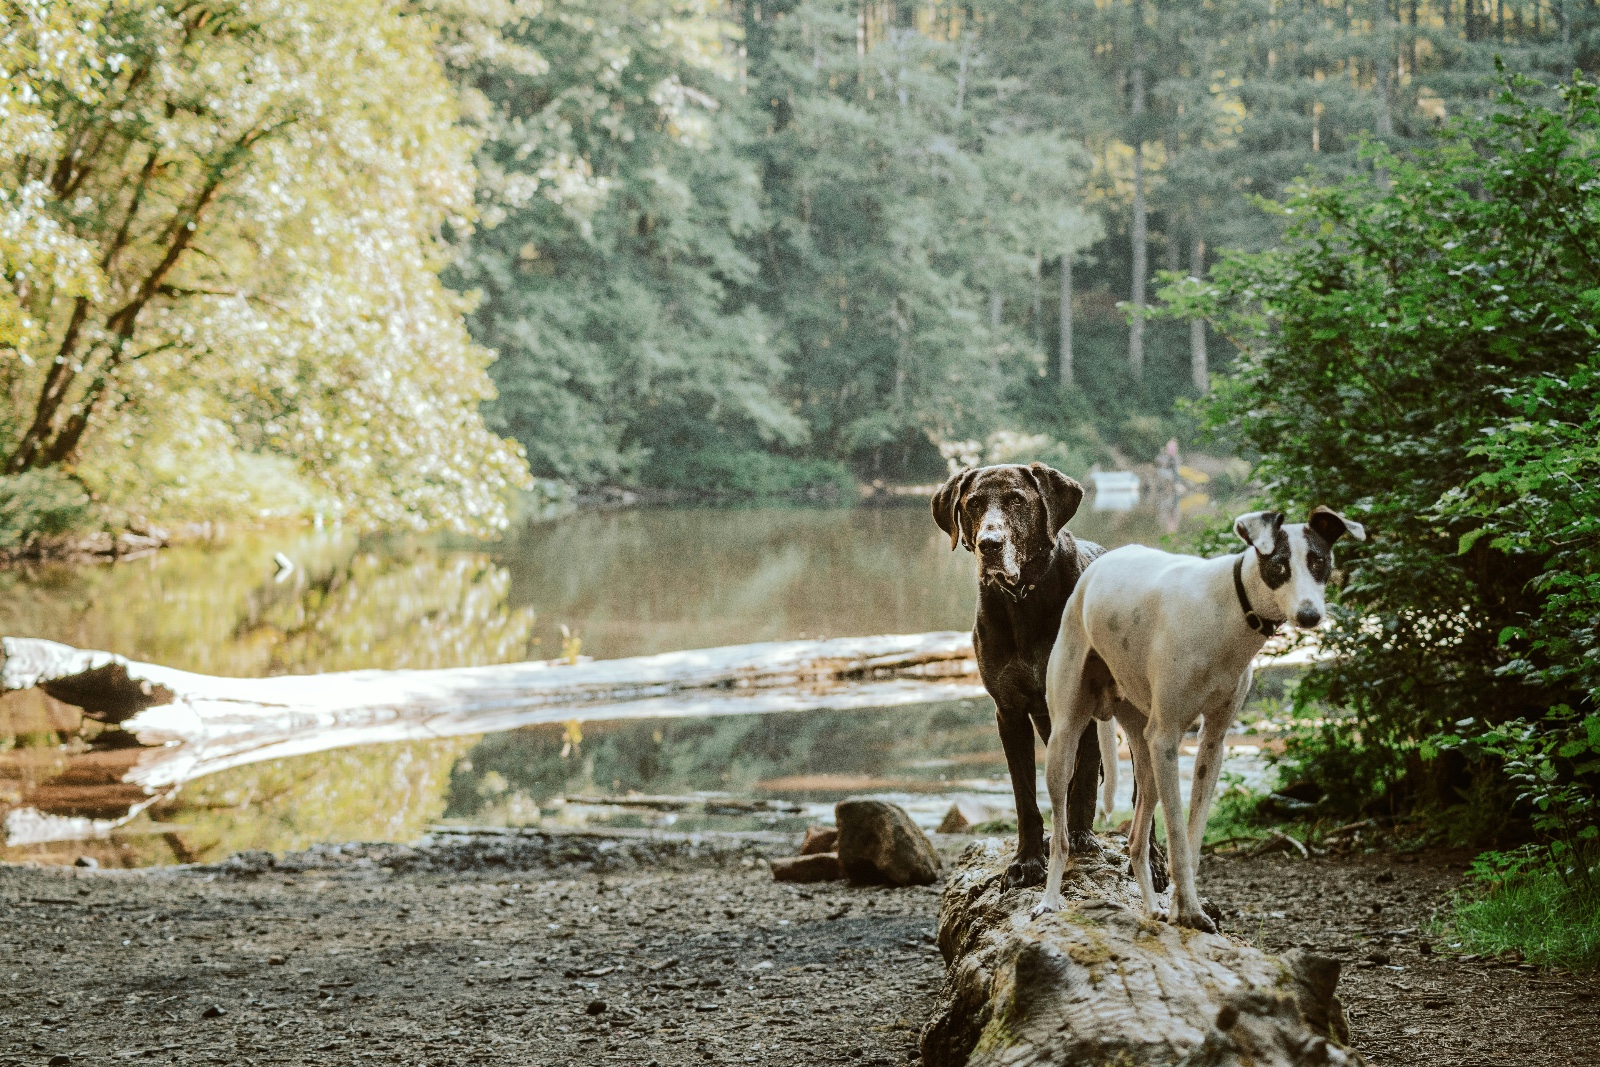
(726, 249)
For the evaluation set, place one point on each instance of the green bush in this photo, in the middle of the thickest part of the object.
(751, 474)
(39, 503)
(1421, 352)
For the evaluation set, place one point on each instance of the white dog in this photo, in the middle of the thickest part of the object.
(1159, 641)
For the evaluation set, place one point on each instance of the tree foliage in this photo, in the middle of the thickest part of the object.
(222, 243)
(1422, 351)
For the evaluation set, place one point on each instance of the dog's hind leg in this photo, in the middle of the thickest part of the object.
(1060, 757)
(1144, 809)
(1070, 697)
(1106, 733)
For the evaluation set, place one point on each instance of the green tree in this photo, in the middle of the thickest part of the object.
(202, 293)
(615, 258)
(905, 212)
(1420, 352)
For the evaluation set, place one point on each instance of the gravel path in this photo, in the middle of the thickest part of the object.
(555, 950)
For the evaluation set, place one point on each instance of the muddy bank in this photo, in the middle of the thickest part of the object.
(554, 949)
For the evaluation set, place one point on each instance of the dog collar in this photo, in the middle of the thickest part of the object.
(1251, 619)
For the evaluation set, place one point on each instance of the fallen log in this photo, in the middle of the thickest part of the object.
(1099, 985)
(176, 726)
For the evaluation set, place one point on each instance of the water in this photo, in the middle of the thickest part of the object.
(610, 584)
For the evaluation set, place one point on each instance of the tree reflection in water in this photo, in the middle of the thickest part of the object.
(625, 583)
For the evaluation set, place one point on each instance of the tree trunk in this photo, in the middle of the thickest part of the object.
(1384, 122)
(1038, 299)
(1141, 266)
(234, 721)
(1199, 372)
(1066, 321)
(1099, 985)
(177, 726)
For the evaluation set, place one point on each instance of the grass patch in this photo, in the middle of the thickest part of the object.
(1550, 921)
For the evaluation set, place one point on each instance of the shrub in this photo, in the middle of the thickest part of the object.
(40, 503)
(752, 474)
(1422, 353)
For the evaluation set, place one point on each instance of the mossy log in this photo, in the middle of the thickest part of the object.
(1099, 985)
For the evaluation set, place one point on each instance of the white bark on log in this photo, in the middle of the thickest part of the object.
(1098, 985)
(206, 724)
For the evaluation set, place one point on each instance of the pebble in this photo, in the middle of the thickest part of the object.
(216, 1011)
(596, 1007)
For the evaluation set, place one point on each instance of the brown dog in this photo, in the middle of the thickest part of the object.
(1013, 518)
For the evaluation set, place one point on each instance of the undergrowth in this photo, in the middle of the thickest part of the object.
(1546, 918)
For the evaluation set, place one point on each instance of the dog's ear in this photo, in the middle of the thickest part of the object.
(947, 505)
(1330, 525)
(1259, 530)
(1061, 495)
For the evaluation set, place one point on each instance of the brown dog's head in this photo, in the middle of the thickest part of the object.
(1008, 515)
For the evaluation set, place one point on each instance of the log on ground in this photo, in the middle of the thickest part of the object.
(1099, 985)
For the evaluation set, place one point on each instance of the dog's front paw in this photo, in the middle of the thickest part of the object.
(1025, 873)
(1050, 902)
(1195, 920)
(1082, 843)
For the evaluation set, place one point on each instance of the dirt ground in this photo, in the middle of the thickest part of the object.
(554, 950)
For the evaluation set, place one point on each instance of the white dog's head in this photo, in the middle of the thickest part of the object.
(1295, 560)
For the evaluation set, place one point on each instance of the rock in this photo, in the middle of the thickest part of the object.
(59, 1060)
(86, 861)
(954, 822)
(966, 814)
(819, 839)
(276, 961)
(596, 1007)
(216, 1011)
(822, 867)
(880, 845)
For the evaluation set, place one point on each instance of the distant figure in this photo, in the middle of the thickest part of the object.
(1168, 462)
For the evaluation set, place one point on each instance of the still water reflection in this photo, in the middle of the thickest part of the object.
(615, 583)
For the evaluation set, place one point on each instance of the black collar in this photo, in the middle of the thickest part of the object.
(1251, 619)
(1020, 592)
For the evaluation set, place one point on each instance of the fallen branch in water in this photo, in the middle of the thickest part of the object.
(187, 725)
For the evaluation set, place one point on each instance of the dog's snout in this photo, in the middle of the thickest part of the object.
(991, 537)
(1307, 616)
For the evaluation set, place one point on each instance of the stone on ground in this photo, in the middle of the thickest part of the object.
(880, 845)
(819, 839)
(818, 867)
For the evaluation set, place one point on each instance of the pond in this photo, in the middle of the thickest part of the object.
(608, 583)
